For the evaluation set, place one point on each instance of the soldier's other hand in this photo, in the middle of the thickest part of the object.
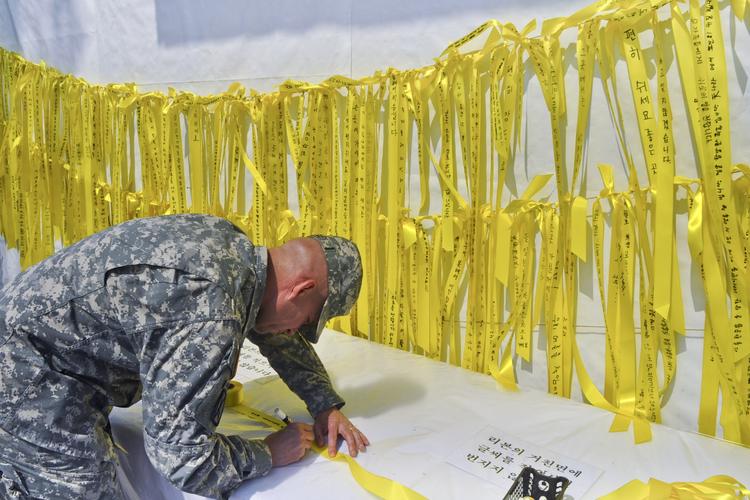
(330, 424)
(290, 443)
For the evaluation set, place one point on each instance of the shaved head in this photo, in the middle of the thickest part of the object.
(303, 258)
(296, 286)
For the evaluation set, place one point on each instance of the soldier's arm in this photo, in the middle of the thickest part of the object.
(184, 371)
(300, 368)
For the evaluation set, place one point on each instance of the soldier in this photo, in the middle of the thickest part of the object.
(156, 310)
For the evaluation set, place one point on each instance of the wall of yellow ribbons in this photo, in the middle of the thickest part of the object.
(76, 158)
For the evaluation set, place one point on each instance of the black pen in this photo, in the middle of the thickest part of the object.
(281, 416)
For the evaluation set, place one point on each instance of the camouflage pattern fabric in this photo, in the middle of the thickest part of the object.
(153, 309)
(344, 281)
(28, 471)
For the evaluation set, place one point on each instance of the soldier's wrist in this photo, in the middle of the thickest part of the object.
(335, 406)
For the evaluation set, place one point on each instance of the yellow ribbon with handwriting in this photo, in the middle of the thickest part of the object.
(358, 157)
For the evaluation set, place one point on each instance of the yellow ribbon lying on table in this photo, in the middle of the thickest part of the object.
(375, 484)
(715, 487)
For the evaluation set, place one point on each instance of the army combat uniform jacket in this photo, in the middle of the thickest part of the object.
(155, 310)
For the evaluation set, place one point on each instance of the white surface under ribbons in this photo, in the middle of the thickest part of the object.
(417, 413)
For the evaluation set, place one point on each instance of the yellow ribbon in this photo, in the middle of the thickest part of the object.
(379, 486)
(69, 166)
(715, 487)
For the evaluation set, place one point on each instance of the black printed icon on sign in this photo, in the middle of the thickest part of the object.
(531, 483)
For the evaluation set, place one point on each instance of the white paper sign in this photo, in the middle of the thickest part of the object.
(253, 366)
(499, 457)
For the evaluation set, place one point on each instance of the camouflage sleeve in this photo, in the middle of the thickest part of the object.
(185, 373)
(300, 368)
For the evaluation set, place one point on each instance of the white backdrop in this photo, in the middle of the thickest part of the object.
(203, 46)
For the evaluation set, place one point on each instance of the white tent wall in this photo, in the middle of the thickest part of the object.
(203, 46)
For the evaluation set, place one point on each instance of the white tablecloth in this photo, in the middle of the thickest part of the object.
(417, 413)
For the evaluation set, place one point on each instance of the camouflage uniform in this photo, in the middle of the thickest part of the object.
(153, 309)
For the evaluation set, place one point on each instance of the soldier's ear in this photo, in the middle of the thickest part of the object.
(302, 287)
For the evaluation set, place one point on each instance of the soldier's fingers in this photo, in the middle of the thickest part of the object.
(308, 440)
(364, 438)
(351, 440)
(333, 436)
(300, 429)
(319, 435)
(303, 426)
(360, 438)
(306, 432)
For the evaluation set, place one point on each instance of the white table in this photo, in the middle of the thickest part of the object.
(418, 412)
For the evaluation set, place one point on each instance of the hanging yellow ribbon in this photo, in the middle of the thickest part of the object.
(75, 158)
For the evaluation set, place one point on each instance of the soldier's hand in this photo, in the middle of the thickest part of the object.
(290, 443)
(330, 424)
